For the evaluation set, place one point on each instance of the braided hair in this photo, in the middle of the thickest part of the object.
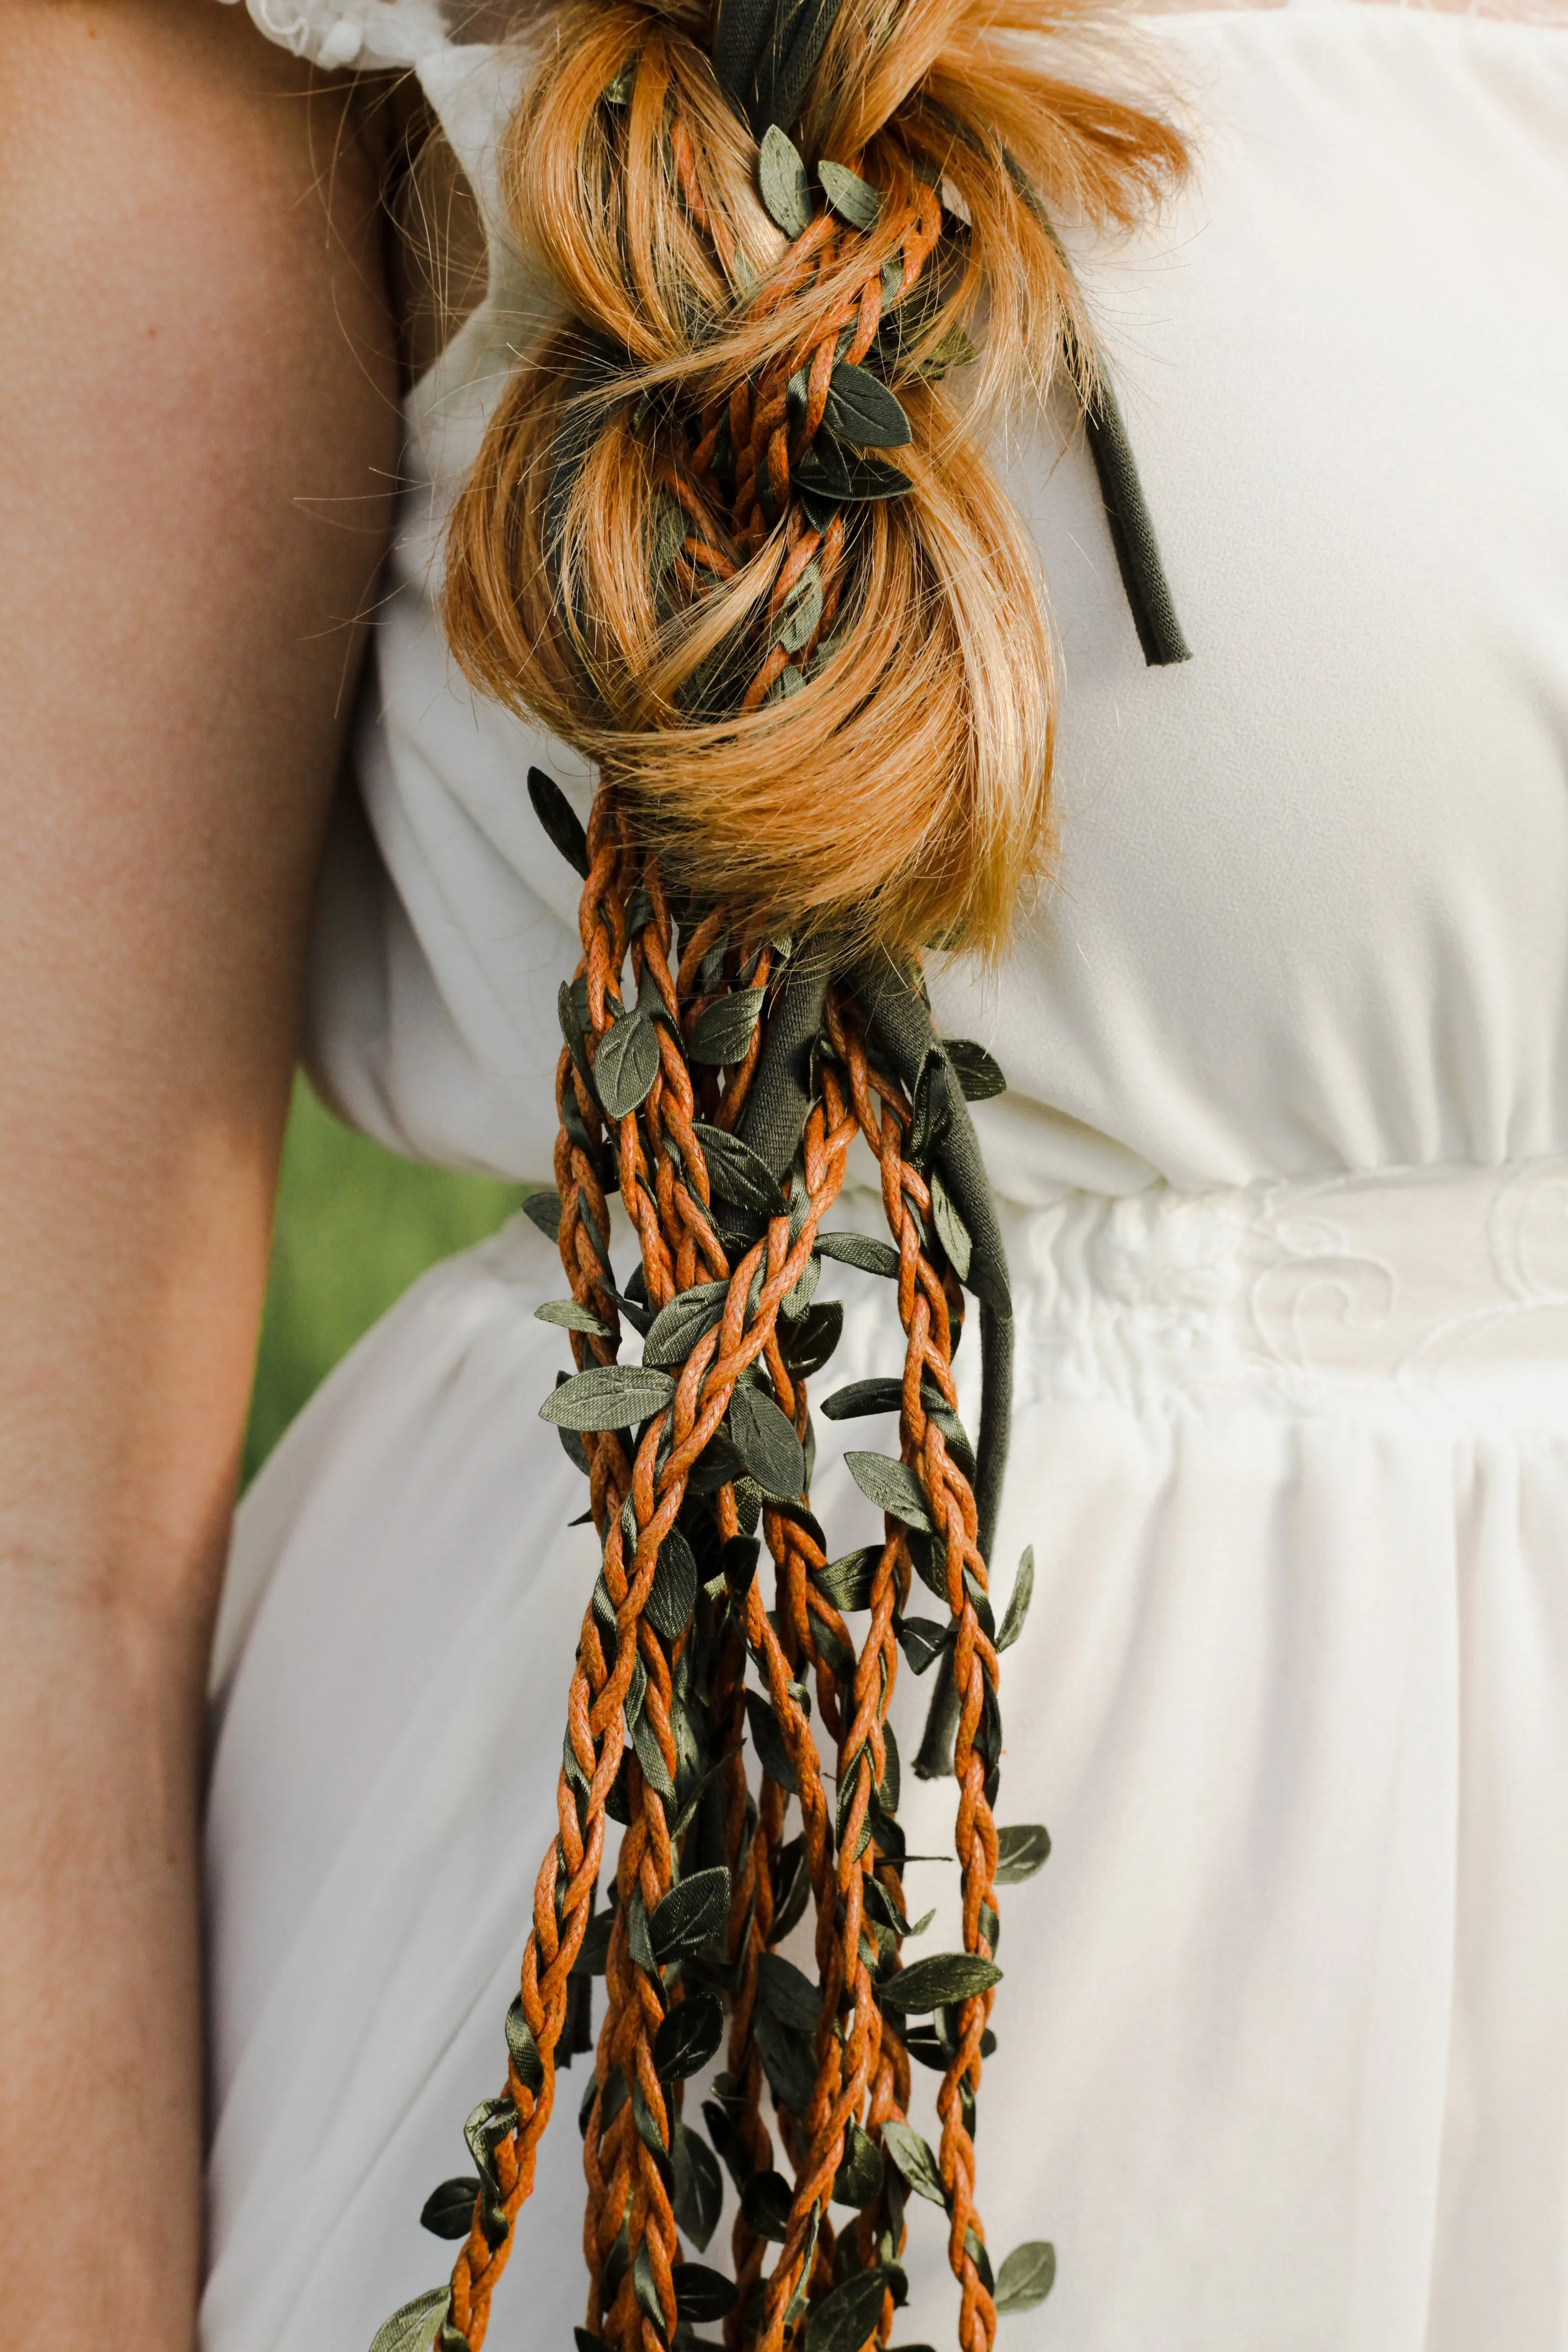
(730, 535)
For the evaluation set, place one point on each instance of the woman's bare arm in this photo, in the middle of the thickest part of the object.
(197, 431)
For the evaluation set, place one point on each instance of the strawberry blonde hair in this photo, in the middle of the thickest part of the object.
(895, 781)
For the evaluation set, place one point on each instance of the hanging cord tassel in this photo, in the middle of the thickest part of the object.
(1138, 558)
(1145, 581)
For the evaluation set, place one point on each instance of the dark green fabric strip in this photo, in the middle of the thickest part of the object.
(1138, 557)
(765, 52)
(777, 1107)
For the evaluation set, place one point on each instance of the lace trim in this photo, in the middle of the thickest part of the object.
(1442, 1288)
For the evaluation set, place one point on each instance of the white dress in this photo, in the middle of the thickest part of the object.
(1284, 1166)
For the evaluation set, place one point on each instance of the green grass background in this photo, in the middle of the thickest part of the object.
(355, 1226)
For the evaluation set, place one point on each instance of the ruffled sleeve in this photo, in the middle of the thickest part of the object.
(374, 35)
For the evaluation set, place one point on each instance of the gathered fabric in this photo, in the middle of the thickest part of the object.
(1285, 2011)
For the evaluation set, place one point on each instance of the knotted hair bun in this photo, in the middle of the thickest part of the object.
(730, 534)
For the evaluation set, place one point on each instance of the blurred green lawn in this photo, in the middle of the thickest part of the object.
(355, 1226)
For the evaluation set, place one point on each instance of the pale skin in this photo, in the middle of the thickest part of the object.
(197, 440)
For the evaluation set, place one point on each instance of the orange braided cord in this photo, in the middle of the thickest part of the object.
(766, 443)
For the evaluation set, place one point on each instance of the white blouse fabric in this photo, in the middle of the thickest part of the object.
(1284, 2026)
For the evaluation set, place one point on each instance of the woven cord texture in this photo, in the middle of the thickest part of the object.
(641, 1734)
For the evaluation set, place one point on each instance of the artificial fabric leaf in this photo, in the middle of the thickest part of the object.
(928, 1554)
(1027, 2276)
(626, 1065)
(859, 1398)
(953, 1429)
(915, 2159)
(766, 1443)
(819, 508)
(932, 1983)
(888, 1793)
(676, 1328)
(650, 1755)
(788, 2060)
(521, 2045)
(571, 1017)
(781, 177)
(788, 1992)
(768, 1741)
(673, 1595)
(806, 1344)
(791, 1877)
(691, 1914)
(951, 1230)
(797, 2303)
(1012, 1624)
(491, 2122)
(544, 1209)
(860, 1250)
(856, 1771)
(619, 91)
(847, 1582)
(955, 350)
(1020, 1852)
(646, 2290)
(697, 2194)
(737, 1558)
(688, 2037)
(860, 2177)
(414, 2327)
(824, 466)
(936, 1090)
(573, 1316)
(701, 2294)
(802, 611)
(448, 2211)
(922, 1640)
(851, 198)
(668, 532)
(843, 2320)
(764, 2205)
(978, 1072)
(717, 1464)
(860, 408)
(638, 1941)
(734, 1171)
(608, 1396)
(559, 819)
(891, 1486)
(723, 1031)
(832, 471)
(739, 2161)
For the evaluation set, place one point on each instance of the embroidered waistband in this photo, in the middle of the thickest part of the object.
(1447, 1285)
